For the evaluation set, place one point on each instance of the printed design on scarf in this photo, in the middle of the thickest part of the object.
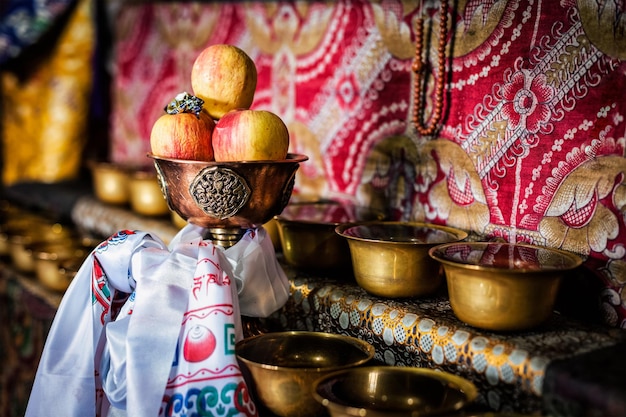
(200, 341)
(115, 239)
(209, 398)
(206, 379)
(202, 283)
(100, 292)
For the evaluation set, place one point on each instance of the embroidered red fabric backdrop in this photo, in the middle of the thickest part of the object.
(532, 143)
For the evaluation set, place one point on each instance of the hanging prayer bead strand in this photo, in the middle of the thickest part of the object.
(419, 68)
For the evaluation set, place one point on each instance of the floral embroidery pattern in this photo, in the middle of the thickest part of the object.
(526, 100)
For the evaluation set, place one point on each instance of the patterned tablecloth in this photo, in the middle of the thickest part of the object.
(508, 368)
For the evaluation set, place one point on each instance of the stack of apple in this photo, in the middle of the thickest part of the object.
(216, 122)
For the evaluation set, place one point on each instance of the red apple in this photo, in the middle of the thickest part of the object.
(184, 131)
(224, 77)
(250, 135)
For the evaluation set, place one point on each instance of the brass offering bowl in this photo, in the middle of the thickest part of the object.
(307, 233)
(145, 196)
(503, 286)
(227, 197)
(111, 182)
(49, 258)
(388, 391)
(390, 259)
(283, 367)
(68, 269)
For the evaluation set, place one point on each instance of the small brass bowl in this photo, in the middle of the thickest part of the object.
(388, 391)
(67, 271)
(111, 182)
(49, 257)
(284, 365)
(243, 194)
(146, 197)
(307, 233)
(503, 286)
(390, 259)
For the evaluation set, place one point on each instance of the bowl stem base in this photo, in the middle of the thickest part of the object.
(225, 236)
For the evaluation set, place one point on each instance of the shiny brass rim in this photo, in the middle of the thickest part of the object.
(366, 347)
(469, 390)
(457, 233)
(575, 260)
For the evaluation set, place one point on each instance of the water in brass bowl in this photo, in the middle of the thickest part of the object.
(227, 195)
(388, 391)
(284, 365)
(503, 286)
(390, 259)
(307, 233)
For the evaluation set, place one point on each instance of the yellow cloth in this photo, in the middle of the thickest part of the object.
(45, 113)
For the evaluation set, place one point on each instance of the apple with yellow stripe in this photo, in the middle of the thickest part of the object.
(184, 131)
(225, 78)
(250, 135)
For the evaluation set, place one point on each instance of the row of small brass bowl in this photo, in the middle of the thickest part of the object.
(24, 232)
(145, 195)
(491, 285)
(283, 366)
(57, 262)
(121, 184)
(38, 247)
(227, 197)
(307, 374)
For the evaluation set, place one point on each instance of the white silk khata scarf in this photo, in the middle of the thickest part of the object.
(169, 349)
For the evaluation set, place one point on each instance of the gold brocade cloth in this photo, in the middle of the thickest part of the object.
(45, 110)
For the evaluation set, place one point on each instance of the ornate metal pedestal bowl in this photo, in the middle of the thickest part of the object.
(227, 197)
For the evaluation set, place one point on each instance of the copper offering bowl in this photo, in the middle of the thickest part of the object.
(227, 197)
(388, 391)
(503, 286)
(284, 365)
(390, 259)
